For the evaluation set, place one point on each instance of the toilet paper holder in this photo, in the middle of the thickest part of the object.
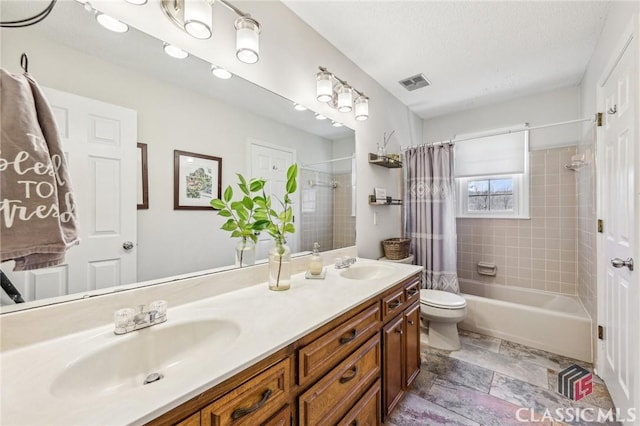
(487, 268)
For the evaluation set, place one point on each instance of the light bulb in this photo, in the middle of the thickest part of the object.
(220, 72)
(174, 52)
(112, 24)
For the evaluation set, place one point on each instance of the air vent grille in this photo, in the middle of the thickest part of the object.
(416, 82)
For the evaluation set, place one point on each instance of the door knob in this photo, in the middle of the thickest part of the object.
(619, 263)
(127, 245)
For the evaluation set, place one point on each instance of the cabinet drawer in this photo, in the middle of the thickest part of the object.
(282, 418)
(412, 291)
(325, 352)
(328, 400)
(392, 304)
(193, 420)
(254, 401)
(367, 410)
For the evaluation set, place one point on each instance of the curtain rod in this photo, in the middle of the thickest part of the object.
(327, 161)
(505, 132)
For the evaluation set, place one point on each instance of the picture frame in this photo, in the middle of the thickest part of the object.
(143, 177)
(196, 180)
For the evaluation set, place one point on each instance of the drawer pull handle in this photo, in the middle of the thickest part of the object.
(395, 304)
(354, 423)
(399, 330)
(352, 335)
(413, 292)
(351, 376)
(410, 322)
(241, 412)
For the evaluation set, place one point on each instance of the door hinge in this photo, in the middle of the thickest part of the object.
(600, 226)
(600, 332)
(599, 119)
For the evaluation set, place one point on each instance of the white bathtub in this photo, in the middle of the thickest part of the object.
(553, 322)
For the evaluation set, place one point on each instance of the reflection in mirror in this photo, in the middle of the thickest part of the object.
(175, 105)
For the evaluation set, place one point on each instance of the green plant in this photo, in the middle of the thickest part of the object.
(241, 214)
(278, 224)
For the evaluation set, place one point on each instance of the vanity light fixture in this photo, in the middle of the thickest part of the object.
(299, 107)
(112, 24)
(220, 72)
(174, 52)
(195, 17)
(337, 93)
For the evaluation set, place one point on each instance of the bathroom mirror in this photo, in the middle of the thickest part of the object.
(180, 105)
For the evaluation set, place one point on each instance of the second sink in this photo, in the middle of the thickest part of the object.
(368, 272)
(126, 363)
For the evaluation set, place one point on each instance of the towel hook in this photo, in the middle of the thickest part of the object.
(24, 62)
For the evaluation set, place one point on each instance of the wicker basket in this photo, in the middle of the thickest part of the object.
(396, 248)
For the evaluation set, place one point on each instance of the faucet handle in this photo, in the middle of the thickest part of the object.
(160, 306)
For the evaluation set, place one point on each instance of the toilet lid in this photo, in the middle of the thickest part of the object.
(442, 299)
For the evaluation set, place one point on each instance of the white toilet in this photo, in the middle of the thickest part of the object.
(444, 311)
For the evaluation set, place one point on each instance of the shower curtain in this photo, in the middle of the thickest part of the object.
(430, 218)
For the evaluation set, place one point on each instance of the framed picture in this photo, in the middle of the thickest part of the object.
(143, 177)
(196, 180)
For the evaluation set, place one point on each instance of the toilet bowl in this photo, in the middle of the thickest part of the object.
(444, 311)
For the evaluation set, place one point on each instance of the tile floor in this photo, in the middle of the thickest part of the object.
(487, 382)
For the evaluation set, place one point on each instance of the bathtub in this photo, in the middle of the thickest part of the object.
(553, 322)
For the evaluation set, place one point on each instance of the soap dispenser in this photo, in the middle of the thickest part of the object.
(315, 263)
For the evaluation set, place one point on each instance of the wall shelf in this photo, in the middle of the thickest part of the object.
(387, 201)
(384, 161)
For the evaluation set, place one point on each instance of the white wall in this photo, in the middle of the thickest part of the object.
(544, 108)
(170, 241)
(290, 53)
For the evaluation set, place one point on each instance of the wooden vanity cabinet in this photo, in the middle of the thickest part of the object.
(400, 343)
(351, 371)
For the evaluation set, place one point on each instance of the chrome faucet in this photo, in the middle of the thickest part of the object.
(345, 262)
(127, 320)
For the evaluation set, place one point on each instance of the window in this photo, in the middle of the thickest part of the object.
(492, 175)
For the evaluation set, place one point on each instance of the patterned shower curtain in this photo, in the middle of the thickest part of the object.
(430, 214)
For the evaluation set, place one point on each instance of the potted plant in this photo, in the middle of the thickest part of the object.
(278, 225)
(241, 220)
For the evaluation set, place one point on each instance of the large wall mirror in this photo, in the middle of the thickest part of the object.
(177, 105)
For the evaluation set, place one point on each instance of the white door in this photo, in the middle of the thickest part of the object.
(618, 354)
(99, 141)
(271, 163)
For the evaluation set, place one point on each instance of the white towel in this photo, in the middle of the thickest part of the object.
(37, 206)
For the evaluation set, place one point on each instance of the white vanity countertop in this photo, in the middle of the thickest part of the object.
(266, 321)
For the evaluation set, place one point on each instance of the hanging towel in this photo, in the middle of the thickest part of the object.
(37, 206)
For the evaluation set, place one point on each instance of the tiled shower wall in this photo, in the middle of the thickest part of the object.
(586, 183)
(316, 207)
(326, 211)
(344, 222)
(538, 253)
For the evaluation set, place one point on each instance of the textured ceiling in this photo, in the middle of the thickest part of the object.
(474, 53)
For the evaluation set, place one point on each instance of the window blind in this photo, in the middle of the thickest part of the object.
(491, 155)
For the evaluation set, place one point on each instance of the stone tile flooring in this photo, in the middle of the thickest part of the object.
(490, 381)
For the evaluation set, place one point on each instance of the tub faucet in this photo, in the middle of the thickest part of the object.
(127, 320)
(345, 262)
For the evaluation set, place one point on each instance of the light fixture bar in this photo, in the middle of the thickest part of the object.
(342, 96)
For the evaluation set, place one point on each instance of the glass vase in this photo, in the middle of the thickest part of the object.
(245, 253)
(279, 267)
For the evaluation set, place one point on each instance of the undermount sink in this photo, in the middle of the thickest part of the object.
(125, 364)
(368, 272)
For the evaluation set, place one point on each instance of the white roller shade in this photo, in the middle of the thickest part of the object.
(491, 155)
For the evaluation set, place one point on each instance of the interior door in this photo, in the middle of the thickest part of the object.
(618, 312)
(99, 140)
(271, 163)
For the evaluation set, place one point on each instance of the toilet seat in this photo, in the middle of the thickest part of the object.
(442, 299)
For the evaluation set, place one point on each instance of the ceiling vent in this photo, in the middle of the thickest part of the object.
(414, 83)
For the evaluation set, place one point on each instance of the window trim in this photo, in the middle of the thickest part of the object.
(520, 197)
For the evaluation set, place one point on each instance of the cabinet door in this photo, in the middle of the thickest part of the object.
(367, 411)
(393, 342)
(412, 343)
